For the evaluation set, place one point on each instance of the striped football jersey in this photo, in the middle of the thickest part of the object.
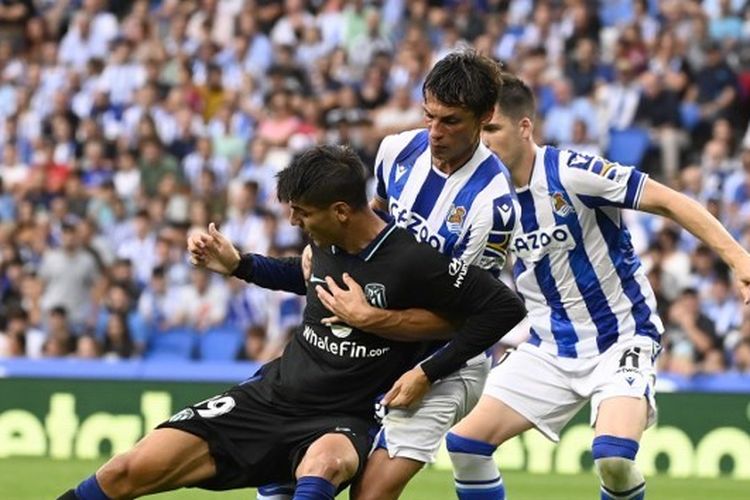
(468, 215)
(582, 283)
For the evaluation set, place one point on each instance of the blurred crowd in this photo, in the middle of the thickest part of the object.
(125, 125)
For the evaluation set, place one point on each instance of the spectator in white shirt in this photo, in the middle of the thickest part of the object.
(139, 247)
(203, 302)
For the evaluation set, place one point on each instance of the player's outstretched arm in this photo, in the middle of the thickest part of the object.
(212, 250)
(350, 306)
(688, 213)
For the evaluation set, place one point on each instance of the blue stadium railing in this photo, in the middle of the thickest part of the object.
(139, 369)
(236, 371)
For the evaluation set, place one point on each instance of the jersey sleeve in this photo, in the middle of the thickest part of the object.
(380, 174)
(598, 182)
(487, 307)
(489, 234)
(272, 273)
(389, 149)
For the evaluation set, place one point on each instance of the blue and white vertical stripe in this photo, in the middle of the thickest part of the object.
(453, 213)
(582, 283)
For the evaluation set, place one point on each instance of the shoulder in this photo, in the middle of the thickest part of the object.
(396, 143)
(574, 166)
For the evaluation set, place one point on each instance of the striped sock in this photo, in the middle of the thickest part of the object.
(314, 488)
(474, 470)
(637, 493)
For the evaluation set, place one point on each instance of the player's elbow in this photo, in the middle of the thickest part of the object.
(509, 313)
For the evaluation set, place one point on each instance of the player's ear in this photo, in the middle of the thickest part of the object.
(342, 211)
(526, 128)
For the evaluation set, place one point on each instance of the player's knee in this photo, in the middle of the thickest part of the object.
(326, 464)
(615, 462)
(127, 473)
(116, 476)
(471, 457)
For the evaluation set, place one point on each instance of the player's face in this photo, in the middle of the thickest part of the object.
(504, 136)
(321, 224)
(453, 132)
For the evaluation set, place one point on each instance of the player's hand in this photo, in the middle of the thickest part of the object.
(212, 250)
(348, 306)
(408, 390)
(307, 262)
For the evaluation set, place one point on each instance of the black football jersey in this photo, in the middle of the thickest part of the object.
(343, 369)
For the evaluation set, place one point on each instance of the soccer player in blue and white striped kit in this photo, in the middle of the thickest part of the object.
(594, 328)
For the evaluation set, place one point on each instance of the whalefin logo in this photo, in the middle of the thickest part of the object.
(560, 205)
(455, 219)
(340, 331)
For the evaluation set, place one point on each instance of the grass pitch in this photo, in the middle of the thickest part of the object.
(44, 479)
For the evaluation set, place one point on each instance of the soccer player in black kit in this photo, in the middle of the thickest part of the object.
(308, 414)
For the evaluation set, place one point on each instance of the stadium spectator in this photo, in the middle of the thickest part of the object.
(68, 273)
(123, 85)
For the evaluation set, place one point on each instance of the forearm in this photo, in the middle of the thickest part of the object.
(500, 314)
(692, 216)
(274, 274)
(408, 325)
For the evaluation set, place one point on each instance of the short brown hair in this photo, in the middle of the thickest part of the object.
(515, 98)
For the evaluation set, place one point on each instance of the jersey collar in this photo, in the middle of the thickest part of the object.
(372, 247)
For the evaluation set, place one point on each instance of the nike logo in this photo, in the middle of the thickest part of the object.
(315, 279)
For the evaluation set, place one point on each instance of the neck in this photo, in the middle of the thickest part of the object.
(450, 166)
(520, 170)
(364, 227)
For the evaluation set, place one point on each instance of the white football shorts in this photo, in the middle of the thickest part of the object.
(418, 433)
(549, 390)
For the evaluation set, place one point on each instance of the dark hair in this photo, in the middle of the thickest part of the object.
(466, 79)
(324, 175)
(515, 98)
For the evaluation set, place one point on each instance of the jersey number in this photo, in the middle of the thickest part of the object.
(218, 405)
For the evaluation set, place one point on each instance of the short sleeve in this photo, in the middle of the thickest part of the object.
(598, 182)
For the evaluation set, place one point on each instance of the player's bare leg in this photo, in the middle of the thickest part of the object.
(330, 461)
(384, 478)
(472, 443)
(619, 426)
(165, 459)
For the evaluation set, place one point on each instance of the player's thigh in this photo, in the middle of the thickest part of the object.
(417, 433)
(384, 477)
(623, 402)
(622, 417)
(492, 421)
(532, 383)
(165, 459)
(332, 456)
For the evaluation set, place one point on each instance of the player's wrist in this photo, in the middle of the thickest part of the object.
(234, 261)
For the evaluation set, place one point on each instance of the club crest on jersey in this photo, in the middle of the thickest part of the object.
(375, 293)
(560, 205)
(455, 219)
(185, 414)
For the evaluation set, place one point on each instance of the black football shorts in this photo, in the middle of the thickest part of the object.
(254, 443)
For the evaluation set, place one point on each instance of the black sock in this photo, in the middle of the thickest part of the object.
(68, 495)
